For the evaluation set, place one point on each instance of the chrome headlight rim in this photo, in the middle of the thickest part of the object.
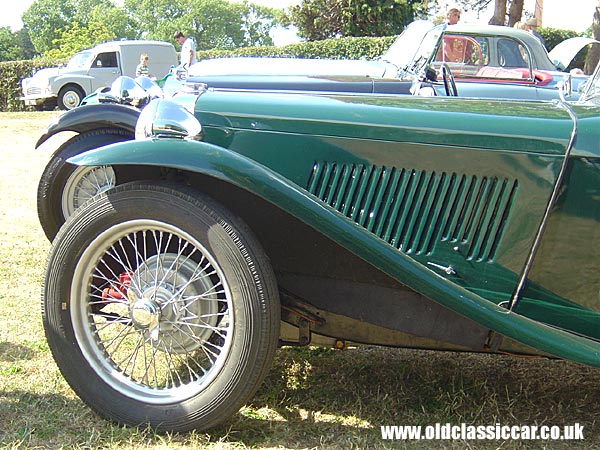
(164, 118)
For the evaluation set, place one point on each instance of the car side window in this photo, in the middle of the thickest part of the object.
(512, 54)
(464, 54)
(108, 59)
(460, 49)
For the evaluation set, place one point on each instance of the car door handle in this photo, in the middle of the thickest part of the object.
(447, 270)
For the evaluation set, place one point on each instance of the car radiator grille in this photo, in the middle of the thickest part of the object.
(413, 210)
(34, 91)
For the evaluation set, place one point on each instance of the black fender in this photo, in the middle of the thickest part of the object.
(91, 117)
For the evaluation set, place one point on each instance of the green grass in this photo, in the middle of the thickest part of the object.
(312, 398)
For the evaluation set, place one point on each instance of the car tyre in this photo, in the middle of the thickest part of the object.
(160, 307)
(64, 186)
(70, 96)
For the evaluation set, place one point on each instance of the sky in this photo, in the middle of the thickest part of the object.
(577, 16)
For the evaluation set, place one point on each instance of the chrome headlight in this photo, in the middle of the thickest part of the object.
(167, 119)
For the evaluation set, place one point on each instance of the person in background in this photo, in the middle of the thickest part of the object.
(142, 69)
(453, 16)
(531, 25)
(450, 53)
(188, 48)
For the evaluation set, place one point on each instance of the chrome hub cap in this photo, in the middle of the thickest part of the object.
(145, 314)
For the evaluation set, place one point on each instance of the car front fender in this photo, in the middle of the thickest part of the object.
(91, 117)
(238, 170)
(83, 80)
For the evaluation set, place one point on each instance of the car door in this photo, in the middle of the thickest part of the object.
(488, 66)
(104, 69)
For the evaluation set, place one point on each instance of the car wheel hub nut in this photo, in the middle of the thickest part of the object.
(145, 314)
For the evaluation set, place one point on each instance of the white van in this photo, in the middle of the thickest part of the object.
(91, 69)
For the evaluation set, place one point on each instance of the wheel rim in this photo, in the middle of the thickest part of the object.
(162, 332)
(71, 99)
(84, 183)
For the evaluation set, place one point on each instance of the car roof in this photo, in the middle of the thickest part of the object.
(540, 54)
(498, 30)
(117, 44)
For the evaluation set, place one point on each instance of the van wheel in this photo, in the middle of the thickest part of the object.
(70, 97)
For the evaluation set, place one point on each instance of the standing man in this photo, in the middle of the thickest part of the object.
(188, 48)
(453, 16)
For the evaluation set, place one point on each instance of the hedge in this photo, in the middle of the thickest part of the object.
(11, 73)
(341, 48)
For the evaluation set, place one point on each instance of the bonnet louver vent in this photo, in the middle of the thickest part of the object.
(413, 210)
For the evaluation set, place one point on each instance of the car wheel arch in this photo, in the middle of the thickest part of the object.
(92, 117)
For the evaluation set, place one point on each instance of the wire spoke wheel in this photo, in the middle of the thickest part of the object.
(84, 183)
(156, 315)
(160, 307)
(64, 187)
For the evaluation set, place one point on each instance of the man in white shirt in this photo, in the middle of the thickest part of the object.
(188, 48)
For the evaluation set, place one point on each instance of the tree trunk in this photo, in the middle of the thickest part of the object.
(499, 17)
(594, 52)
(539, 12)
(515, 12)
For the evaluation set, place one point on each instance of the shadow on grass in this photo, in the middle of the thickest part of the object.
(335, 397)
(15, 352)
(30, 419)
(319, 398)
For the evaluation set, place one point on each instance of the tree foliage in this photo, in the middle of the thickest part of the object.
(323, 19)
(212, 23)
(47, 21)
(74, 38)
(154, 18)
(113, 18)
(25, 45)
(9, 46)
(220, 24)
(44, 19)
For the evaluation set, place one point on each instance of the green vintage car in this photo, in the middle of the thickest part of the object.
(248, 220)
(487, 61)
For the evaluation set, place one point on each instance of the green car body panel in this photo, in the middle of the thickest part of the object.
(444, 195)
